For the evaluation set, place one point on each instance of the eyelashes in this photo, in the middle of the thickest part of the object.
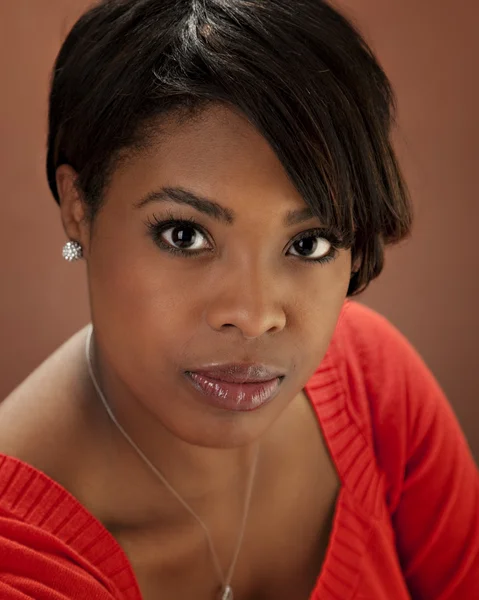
(185, 233)
(313, 246)
(186, 238)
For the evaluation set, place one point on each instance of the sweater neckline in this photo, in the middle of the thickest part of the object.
(354, 461)
(29, 495)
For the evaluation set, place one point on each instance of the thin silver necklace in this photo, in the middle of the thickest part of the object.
(226, 589)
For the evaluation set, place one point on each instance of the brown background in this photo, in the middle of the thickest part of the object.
(430, 50)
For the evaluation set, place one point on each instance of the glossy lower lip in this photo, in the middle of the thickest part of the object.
(239, 397)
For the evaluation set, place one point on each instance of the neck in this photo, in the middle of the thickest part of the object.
(201, 476)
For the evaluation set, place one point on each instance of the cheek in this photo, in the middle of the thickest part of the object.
(318, 307)
(136, 293)
(130, 289)
(145, 305)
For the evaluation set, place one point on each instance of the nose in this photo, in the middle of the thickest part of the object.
(247, 300)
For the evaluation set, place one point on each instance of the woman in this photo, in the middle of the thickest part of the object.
(230, 426)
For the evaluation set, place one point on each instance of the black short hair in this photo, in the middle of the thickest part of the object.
(299, 71)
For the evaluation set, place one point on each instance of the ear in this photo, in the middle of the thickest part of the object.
(72, 207)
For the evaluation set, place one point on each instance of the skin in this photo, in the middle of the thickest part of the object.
(246, 297)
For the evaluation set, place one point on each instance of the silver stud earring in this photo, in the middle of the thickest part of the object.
(72, 251)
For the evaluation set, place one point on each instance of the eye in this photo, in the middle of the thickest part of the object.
(178, 236)
(184, 237)
(312, 247)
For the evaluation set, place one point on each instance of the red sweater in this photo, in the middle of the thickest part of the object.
(407, 518)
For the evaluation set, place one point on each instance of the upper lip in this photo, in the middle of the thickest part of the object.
(239, 372)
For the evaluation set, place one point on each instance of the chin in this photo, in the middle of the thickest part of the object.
(223, 429)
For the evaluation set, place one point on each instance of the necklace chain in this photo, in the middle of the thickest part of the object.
(227, 592)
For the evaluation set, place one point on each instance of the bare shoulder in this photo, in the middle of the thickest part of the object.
(43, 421)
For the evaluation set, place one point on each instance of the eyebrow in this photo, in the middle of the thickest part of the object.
(182, 196)
(213, 209)
(296, 217)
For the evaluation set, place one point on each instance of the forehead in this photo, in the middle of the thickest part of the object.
(217, 153)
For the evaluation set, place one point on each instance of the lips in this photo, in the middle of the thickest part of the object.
(237, 387)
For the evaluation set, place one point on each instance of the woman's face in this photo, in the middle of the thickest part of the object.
(204, 263)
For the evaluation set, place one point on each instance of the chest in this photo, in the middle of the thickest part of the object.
(284, 546)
